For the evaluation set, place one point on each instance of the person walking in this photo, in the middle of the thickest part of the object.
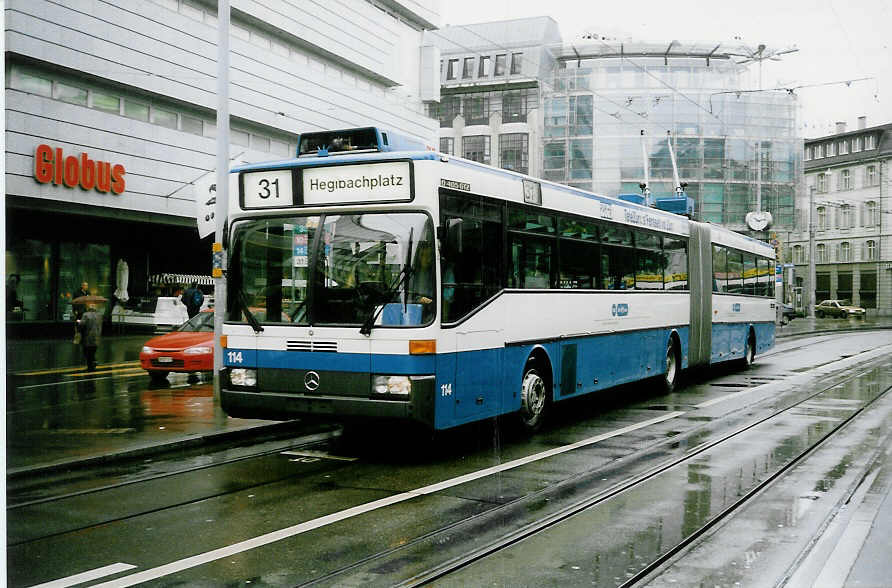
(80, 309)
(193, 297)
(90, 325)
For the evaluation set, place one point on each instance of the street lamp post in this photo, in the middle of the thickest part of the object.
(811, 251)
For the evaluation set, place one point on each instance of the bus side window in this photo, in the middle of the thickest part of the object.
(676, 270)
(719, 269)
(470, 262)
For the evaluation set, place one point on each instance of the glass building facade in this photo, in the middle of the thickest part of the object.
(600, 101)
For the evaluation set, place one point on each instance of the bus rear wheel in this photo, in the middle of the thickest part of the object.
(749, 351)
(534, 399)
(670, 377)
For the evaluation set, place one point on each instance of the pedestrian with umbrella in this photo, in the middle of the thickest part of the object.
(90, 328)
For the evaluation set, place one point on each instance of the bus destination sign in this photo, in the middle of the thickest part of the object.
(357, 183)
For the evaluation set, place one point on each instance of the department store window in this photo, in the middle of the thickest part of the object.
(476, 148)
(871, 176)
(70, 94)
(28, 280)
(31, 83)
(259, 143)
(501, 63)
(137, 110)
(483, 66)
(447, 145)
(239, 32)
(870, 251)
(21, 78)
(279, 148)
(164, 118)
(516, 63)
(467, 70)
(83, 262)
(195, 126)
(105, 102)
(514, 152)
(240, 138)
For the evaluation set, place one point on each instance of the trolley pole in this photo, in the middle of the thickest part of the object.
(222, 204)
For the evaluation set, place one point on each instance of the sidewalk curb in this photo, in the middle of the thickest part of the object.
(274, 429)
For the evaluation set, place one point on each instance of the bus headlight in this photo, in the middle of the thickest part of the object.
(391, 385)
(243, 377)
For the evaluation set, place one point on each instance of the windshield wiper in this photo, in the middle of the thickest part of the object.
(375, 309)
(293, 315)
(252, 320)
(403, 277)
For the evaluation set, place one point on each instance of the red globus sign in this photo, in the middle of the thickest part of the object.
(71, 171)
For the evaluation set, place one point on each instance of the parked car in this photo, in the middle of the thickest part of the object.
(188, 348)
(788, 313)
(163, 313)
(838, 308)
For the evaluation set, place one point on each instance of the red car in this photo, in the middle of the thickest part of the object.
(188, 348)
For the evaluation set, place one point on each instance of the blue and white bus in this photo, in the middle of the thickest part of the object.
(370, 282)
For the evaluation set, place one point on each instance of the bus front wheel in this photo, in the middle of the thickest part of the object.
(534, 399)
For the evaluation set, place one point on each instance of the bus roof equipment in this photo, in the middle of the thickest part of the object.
(359, 140)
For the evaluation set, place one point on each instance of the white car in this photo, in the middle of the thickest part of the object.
(169, 312)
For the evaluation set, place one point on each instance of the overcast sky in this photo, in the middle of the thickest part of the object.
(837, 40)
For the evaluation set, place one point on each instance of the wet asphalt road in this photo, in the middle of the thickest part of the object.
(283, 518)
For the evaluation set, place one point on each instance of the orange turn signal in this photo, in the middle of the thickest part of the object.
(422, 346)
(224, 341)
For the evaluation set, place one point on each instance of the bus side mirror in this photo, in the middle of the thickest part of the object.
(454, 235)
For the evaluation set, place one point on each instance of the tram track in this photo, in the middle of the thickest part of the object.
(55, 501)
(459, 543)
(444, 570)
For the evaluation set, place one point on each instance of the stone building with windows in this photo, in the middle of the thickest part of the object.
(583, 105)
(111, 122)
(491, 84)
(849, 175)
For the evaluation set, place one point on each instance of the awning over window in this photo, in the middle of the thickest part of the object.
(184, 279)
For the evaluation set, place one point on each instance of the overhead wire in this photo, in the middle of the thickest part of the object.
(668, 85)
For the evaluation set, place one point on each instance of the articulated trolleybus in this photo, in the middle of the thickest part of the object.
(367, 280)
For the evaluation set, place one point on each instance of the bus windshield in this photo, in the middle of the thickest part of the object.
(334, 269)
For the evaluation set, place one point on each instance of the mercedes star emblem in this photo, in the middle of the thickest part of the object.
(311, 381)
